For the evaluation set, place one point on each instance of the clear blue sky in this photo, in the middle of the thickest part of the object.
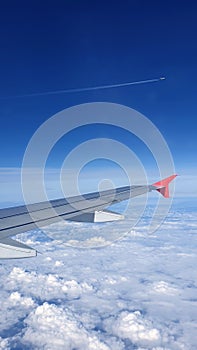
(71, 44)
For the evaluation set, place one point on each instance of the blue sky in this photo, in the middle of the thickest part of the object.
(73, 44)
(74, 298)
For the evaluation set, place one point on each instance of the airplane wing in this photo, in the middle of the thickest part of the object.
(89, 207)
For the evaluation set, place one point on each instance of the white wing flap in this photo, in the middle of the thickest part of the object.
(98, 216)
(10, 249)
(107, 216)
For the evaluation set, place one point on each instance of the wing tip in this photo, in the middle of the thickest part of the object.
(162, 186)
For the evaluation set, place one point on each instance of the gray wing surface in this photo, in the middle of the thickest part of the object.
(24, 218)
(89, 207)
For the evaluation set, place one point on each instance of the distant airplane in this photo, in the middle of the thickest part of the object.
(83, 89)
(89, 207)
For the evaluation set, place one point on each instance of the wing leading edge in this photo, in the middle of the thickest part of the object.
(87, 208)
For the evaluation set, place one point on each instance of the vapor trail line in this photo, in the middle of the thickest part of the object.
(91, 88)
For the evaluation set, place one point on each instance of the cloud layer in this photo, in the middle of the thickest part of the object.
(137, 293)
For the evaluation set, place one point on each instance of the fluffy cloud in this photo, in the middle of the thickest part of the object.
(163, 287)
(16, 299)
(46, 287)
(133, 326)
(4, 344)
(61, 330)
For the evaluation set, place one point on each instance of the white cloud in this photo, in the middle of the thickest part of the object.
(89, 243)
(50, 327)
(163, 287)
(15, 299)
(47, 287)
(133, 326)
(4, 344)
(59, 263)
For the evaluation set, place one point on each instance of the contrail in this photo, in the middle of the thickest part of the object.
(91, 88)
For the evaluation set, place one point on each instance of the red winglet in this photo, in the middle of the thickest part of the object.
(163, 187)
